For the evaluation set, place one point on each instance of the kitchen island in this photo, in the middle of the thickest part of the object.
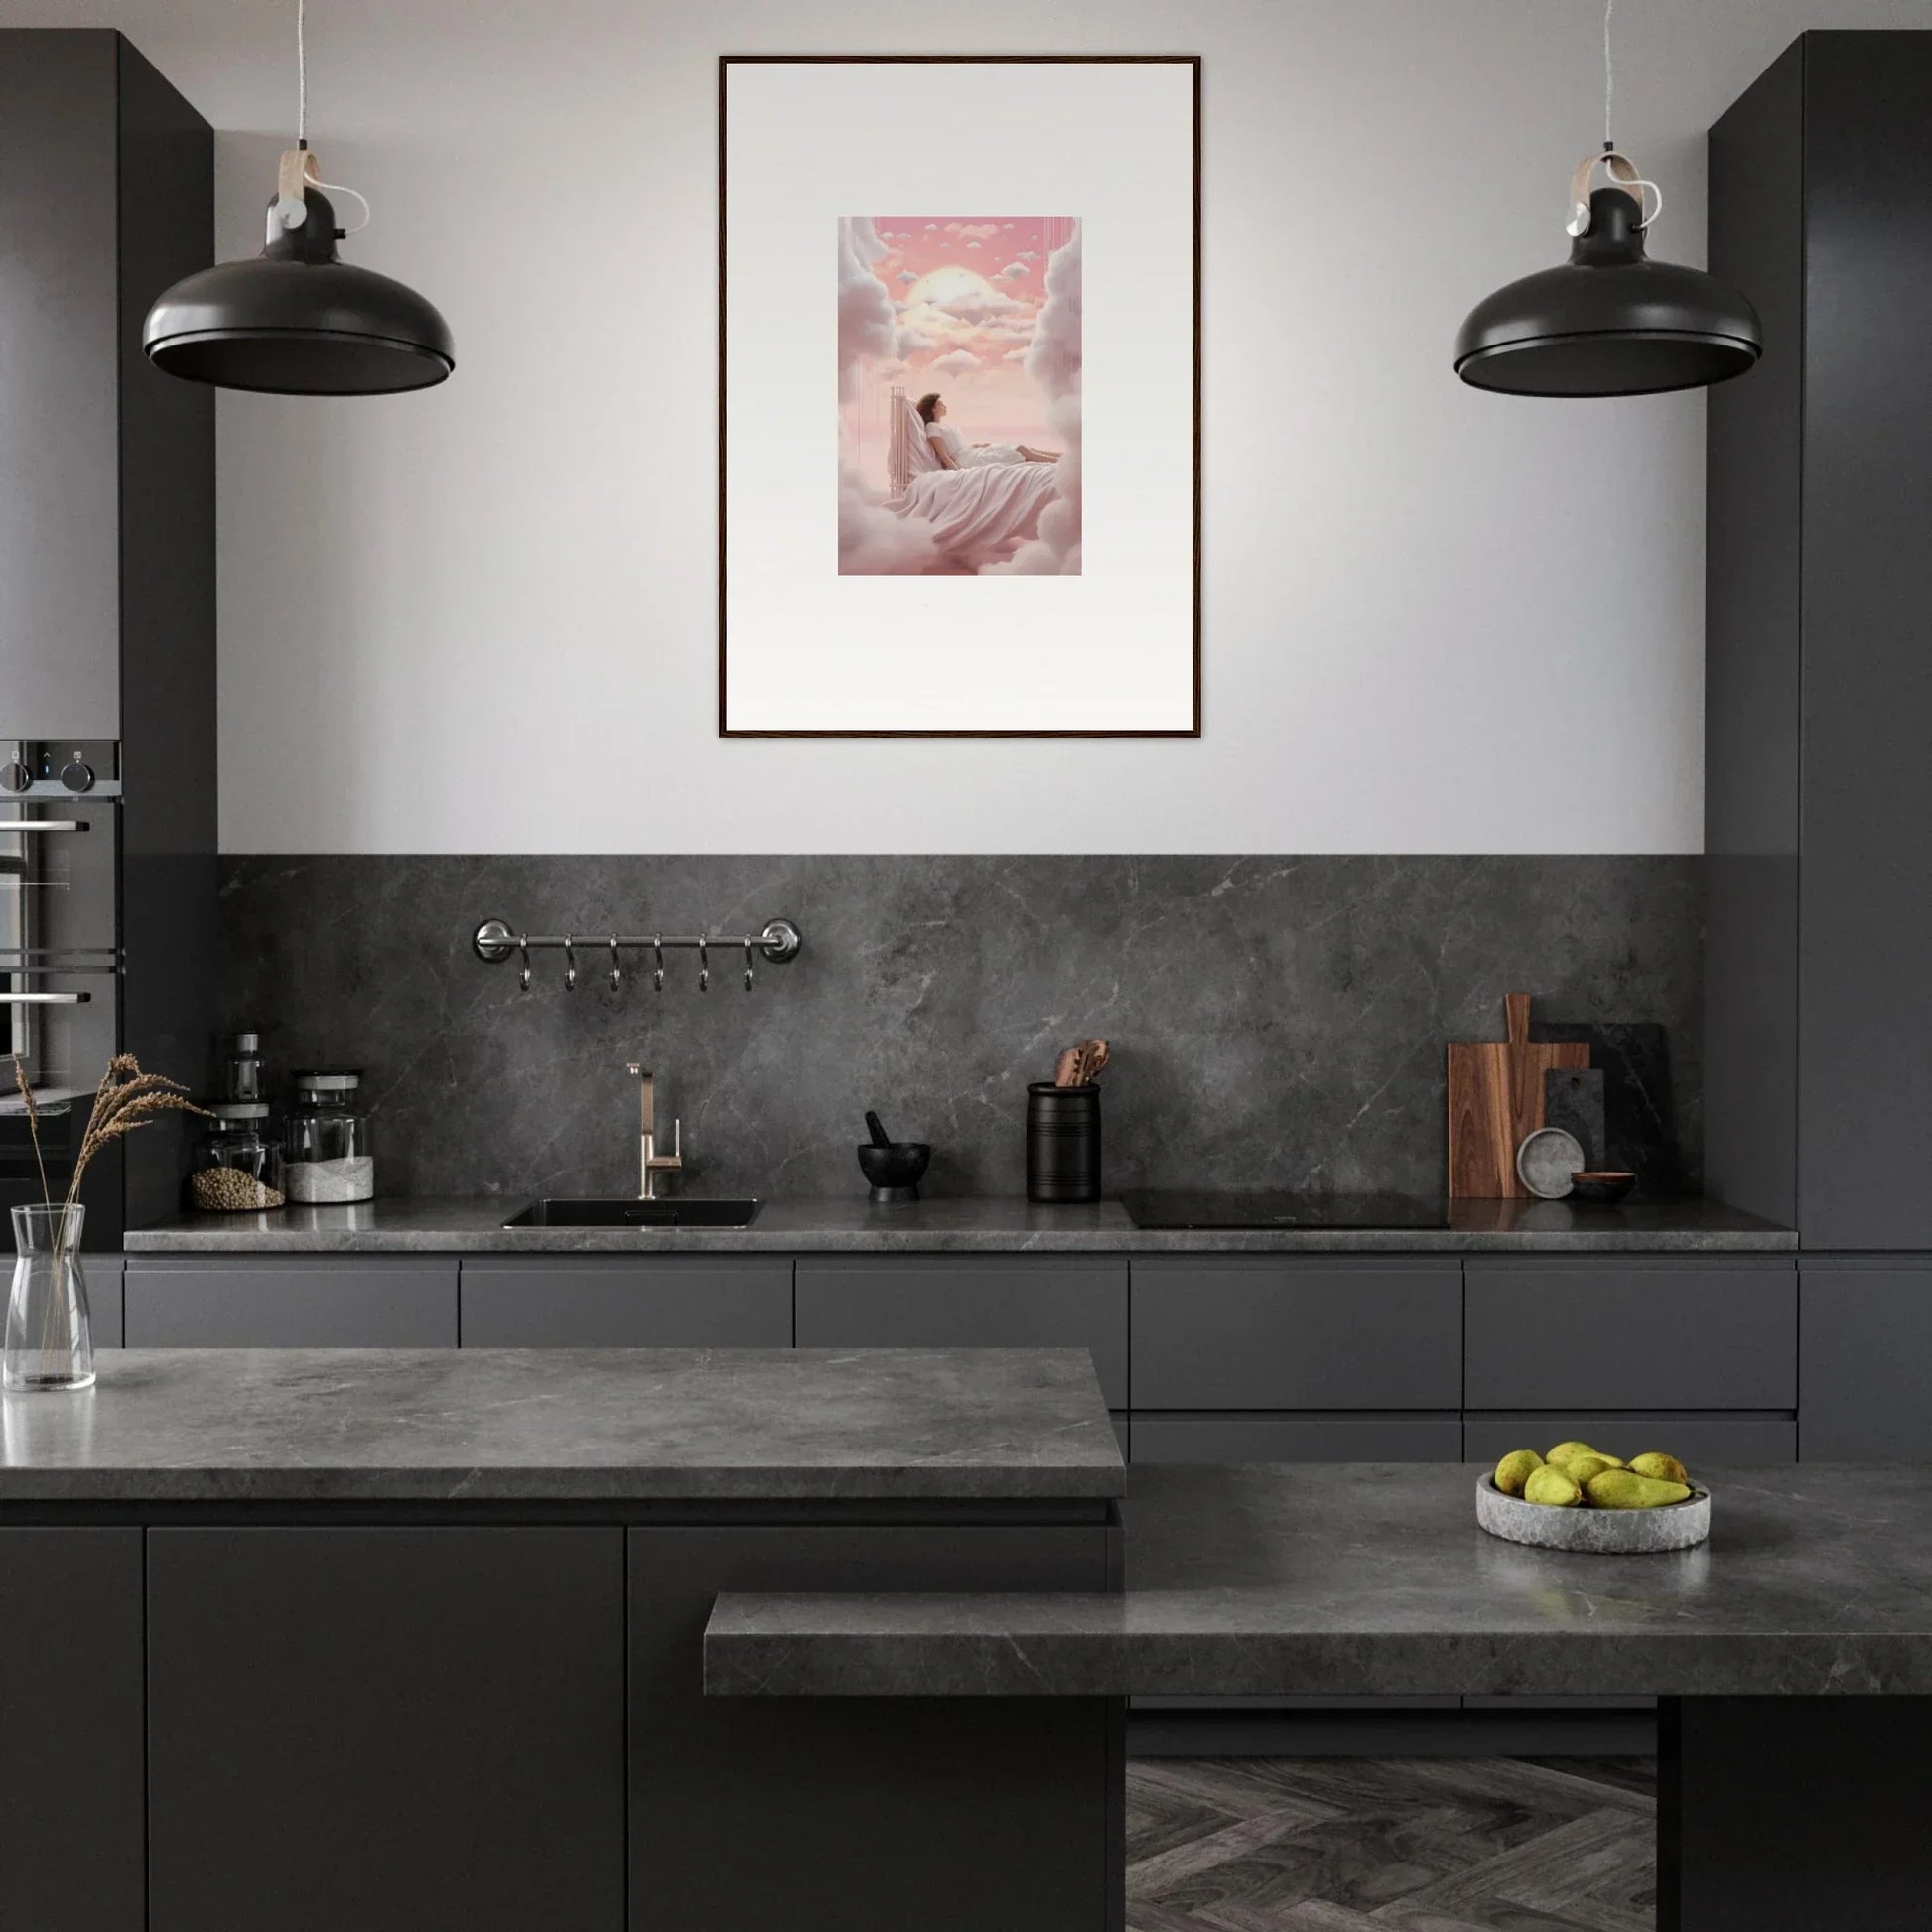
(413, 1639)
(1793, 1651)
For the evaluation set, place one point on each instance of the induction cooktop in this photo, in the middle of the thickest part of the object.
(1160, 1207)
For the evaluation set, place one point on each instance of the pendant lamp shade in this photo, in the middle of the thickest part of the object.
(1610, 321)
(298, 321)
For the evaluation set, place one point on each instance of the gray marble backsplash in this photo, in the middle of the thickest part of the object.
(1275, 1022)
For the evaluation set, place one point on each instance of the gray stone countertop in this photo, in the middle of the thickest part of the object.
(959, 1226)
(1373, 1578)
(544, 1424)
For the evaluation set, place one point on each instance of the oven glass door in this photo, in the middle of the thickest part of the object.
(60, 977)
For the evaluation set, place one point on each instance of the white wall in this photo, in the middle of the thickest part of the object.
(482, 619)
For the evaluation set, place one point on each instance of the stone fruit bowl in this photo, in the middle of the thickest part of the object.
(1596, 1532)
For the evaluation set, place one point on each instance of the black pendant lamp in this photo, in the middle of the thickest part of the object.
(1610, 321)
(296, 319)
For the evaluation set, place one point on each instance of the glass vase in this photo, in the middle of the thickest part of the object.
(50, 1339)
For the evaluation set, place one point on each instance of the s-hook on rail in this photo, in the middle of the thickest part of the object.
(495, 941)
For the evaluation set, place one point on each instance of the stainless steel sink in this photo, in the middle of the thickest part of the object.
(621, 1213)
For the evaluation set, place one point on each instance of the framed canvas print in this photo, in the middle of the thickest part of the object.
(959, 396)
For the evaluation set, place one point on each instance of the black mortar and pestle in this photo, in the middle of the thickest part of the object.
(893, 1166)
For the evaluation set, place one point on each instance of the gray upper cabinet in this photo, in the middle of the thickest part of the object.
(599, 1302)
(1817, 694)
(1666, 1333)
(1704, 1439)
(1296, 1439)
(948, 1301)
(60, 455)
(1268, 1332)
(305, 1302)
(106, 466)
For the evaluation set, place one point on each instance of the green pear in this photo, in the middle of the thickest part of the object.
(1550, 1486)
(1515, 1469)
(1624, 1489)
(1564, 1451)
(1666, 1468)
(1579, 1468)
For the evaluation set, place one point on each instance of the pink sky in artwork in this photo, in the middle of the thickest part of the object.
(967, 290)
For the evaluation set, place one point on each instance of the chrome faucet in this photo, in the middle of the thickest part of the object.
(650, 1163)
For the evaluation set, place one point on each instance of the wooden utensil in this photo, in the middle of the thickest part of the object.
(1495, 1099)
(1067, 1070)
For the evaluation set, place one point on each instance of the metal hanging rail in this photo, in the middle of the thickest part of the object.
(495, 940)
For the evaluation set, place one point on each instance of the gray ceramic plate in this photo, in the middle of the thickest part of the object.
(1546, 1161)
(1595, 1532)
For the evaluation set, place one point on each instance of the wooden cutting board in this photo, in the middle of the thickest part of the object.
(1496, 1098)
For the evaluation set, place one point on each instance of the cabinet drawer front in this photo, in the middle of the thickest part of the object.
(668, 1302)
(1866, 1336)
(1656, 1334)
(1266, 1335)
(1717, 1440)
(944, 1302)
(353, 1304)
(1298, 1439)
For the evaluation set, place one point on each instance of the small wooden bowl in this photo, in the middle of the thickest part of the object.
(1603, 1187)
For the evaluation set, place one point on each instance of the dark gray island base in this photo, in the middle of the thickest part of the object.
(1793, 1651)
(413, 1643)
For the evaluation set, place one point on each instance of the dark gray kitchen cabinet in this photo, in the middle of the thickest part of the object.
(1714, 1441)
(1866, 1342)
(398, 1729)
(1668, 1332)
(72, 1831)
(1818, 687)
(754, 1812)
(615, 1301)
(1266, 1332)
(953, 1302)
(292, 1302)
(1168, 1437)
(103, 1274)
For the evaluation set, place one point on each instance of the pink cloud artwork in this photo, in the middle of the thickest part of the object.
(959, 395)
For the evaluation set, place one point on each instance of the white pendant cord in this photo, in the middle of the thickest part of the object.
(290, 211)
(1609, 76)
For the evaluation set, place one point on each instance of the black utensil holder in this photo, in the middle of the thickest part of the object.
(1062, 1143)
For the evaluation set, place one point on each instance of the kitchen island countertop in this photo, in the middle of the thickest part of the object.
(565, 1426)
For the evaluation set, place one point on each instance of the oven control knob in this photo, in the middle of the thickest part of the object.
(78, 776)
(15, 776)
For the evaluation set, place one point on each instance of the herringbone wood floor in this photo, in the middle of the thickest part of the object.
(1391, 1845)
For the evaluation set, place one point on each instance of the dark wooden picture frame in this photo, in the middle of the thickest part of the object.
(728, 60)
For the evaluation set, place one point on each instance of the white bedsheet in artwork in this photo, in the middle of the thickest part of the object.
(980, 515)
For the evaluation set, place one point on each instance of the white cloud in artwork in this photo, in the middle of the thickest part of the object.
(932, 227)
(865, 309)
(1006, 224)
(974, 231)
(1015, 354)
(1029, 255)
(906, 275)
(1012, 269)
(974, 306)
(961, 361)
(1012, 330)
(944, 242)
(1053, 361)
(915, 342)
(972, 245)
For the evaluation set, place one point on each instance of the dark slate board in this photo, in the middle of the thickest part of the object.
(1639, 1130)
(1572, 1099)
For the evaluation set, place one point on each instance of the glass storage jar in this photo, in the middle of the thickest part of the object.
(239, 1163)
(328, 1155)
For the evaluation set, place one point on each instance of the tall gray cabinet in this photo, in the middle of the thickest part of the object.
(1819, 717)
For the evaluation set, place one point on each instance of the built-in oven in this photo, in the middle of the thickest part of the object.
(60, 955)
